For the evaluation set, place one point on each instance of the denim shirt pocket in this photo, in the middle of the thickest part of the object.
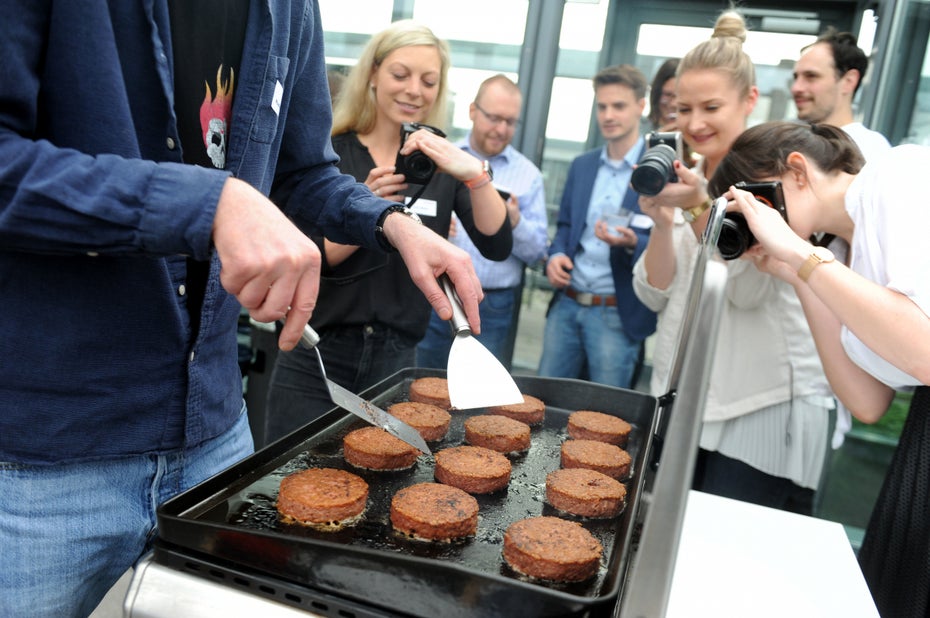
(268, 114)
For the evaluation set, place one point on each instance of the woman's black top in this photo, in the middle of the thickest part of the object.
(371, 286)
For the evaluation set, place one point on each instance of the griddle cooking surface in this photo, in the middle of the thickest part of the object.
(248, 505)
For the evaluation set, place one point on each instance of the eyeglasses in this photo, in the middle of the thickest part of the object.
(495, 119)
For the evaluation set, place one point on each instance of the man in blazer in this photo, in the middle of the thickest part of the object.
(595, 322)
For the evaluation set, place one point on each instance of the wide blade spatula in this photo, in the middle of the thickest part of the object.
(476, 378)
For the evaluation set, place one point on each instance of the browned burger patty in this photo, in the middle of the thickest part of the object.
(552, 549)
(434, 512)
(375, 449)
(431, 390)
(474, 469)
(498, 433)
(323, 498)
(585, 492)
(531, 411)
(609, 459)
(432, 422)
(589, 425)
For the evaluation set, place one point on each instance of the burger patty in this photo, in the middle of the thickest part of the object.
(590, 425)
(609, 459)
(585, 492)
(498, 433)
(434, 391)
(531, 411)
(552, 549)
(431, 422)
(434, 512)
(375, 449)
(323, 498)
(474, 469)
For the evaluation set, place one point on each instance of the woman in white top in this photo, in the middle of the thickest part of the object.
(766, 420)
(870, 318)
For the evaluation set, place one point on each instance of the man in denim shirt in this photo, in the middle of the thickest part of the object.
(138, 142)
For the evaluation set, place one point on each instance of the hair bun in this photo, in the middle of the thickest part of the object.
(730, 24)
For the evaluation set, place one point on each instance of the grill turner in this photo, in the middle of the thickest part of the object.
(476, 378)
(351, 402)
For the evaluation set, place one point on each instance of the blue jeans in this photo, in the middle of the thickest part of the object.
(355, 357)
(496, 330)
(579, 337)
(69, 531)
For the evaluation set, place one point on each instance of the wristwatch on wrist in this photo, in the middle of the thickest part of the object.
(820, 255)
(379, 226)
(481, 179)
(691, 214)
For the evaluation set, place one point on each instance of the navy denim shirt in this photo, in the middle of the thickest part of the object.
(97, 214)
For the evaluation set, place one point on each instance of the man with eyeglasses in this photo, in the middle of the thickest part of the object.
(595, 326)
(495, 114)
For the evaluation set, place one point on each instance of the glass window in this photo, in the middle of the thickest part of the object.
(583, 25)
(500, 22)
(365, 16)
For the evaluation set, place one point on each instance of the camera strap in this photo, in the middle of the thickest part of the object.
(416, 196)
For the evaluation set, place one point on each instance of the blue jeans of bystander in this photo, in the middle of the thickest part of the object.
(577, 336)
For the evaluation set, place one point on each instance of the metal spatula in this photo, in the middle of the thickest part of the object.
(347, 400)
(476, 378)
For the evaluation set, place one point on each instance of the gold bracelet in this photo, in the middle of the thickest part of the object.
(691, 214)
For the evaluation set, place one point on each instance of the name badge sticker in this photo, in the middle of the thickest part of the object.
(423, 207)
(277, 97)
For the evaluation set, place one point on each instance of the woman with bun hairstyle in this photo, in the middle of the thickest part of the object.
(869, 312)
(766, 419)
(368, 315)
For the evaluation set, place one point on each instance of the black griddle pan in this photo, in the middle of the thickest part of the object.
(232, 516)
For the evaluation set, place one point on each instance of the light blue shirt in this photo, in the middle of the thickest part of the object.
(591, 271)
(515, 173)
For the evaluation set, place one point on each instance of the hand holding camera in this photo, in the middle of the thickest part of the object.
(766, 223)
(386, 183)
(656, 166)
(425, 149)
(736, 236)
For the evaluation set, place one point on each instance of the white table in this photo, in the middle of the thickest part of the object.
(741, 560)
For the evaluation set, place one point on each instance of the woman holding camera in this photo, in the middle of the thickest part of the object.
(368, 314)
(870, 314)
(766, 419)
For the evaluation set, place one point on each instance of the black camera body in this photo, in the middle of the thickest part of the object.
(416, 167)
(735, 236)
(657, 165)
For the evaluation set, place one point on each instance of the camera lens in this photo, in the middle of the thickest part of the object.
(419, 165)
(735, 236)
(654, 169)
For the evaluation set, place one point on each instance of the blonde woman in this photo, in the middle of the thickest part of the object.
(766, 420)
(368, 314)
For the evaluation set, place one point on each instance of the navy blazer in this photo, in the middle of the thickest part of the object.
(638, 320)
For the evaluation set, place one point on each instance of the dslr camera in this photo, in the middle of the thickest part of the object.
(656, 167)
(416, 166)
(735, 237)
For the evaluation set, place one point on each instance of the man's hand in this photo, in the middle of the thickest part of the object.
(619, 236)
(428, 255)
(269, 265)
(559, 270)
